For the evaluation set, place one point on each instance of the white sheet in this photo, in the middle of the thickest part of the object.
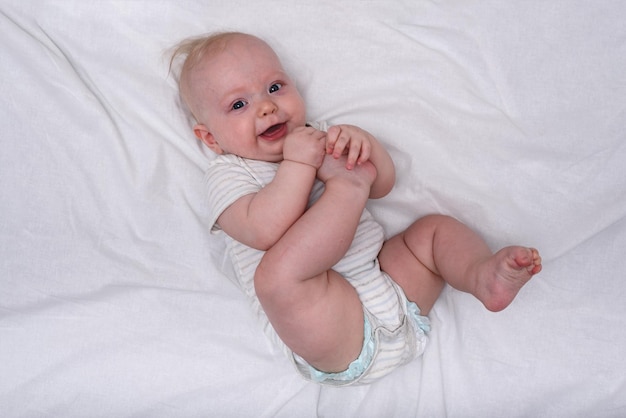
(114, 297)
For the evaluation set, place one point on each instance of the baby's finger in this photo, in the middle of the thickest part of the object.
(331, 138)
(318, 134)
(366, 152)
(353, 156)
(340, 145)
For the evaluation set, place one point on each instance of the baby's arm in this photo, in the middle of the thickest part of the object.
(361, 146)
(260, 219)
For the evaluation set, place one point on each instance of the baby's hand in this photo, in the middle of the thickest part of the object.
(351, 140)
(305, 145)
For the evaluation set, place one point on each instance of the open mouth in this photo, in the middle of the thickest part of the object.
(275, 132)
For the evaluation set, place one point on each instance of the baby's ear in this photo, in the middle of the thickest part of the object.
(203, 134)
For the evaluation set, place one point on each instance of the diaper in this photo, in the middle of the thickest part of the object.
(387, 344)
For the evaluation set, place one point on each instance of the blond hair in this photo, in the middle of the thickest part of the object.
(191, 51)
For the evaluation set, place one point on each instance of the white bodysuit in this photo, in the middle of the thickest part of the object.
(397, 333)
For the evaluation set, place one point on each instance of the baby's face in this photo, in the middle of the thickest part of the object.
(248, 104)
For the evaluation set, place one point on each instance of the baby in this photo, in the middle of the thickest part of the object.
(291, 199)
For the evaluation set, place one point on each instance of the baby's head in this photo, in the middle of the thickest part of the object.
(242, 99)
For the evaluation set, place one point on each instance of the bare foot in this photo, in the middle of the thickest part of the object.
(362, 174)
(503, 275)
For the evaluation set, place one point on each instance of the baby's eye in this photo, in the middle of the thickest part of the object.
(275, 87)
(238, 104)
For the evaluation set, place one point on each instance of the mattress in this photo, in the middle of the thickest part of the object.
(116, 300)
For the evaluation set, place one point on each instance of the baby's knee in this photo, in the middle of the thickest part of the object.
(274, 281)
(437, 219)
(433, 223)
(266, 279)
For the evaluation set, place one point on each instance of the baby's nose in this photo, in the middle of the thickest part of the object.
(267, 107)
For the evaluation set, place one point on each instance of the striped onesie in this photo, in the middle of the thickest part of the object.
(395, 333)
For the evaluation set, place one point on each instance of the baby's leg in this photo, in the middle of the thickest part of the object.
(438, 249)
(314, 310)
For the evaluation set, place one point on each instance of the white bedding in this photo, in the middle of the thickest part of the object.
(115, 299)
